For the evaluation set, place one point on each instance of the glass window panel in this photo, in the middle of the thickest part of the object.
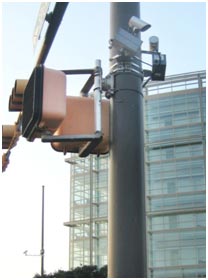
(201, 255)
(200, 220)
(178, 202)
(188, 256)
(157, 223)
(171, 186)
(169, 153)
(172, 257)
(173, 222)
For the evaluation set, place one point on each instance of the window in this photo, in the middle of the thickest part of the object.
(174, 256)
(201, 255)
(171, 187)
(200, 219)
(172, 222)
(169, 153)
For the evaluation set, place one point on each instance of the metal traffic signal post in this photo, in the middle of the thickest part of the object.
(126, 239)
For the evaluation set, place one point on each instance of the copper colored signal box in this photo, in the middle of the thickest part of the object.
(14, 106)
(8, 132)
(16, 98)
(80, 120)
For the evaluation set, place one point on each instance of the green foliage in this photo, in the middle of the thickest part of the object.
(86, 271)
(103, 271)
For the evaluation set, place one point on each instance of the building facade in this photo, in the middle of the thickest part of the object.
(175, 126)
(175, 176)
(88, 211)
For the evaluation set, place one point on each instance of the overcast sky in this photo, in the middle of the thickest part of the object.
(82, 38)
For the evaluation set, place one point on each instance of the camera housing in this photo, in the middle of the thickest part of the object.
(137, 24)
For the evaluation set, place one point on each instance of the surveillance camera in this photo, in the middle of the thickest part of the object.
(154, 43)
(138, 25)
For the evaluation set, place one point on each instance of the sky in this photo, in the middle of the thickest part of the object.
(82, 38)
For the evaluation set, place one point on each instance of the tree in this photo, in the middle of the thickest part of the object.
(86, 271)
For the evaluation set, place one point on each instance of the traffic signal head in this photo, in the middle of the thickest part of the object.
(16, 98)
(8, 132)
(44, 102)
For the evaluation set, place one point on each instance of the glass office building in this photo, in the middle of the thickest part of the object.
(174, 183)
(88, 211)
(175, 176)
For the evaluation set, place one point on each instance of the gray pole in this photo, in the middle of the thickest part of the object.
(42, 252)
(127, 226)
(91, 211)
